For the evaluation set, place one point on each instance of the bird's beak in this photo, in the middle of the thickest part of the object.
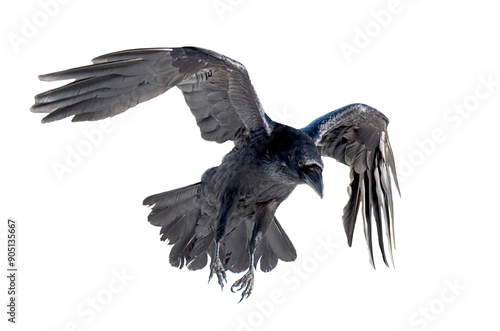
(312, 177)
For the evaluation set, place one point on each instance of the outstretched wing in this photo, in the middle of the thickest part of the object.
(216, 88)
(356, 135)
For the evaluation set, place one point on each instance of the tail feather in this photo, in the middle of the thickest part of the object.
(198, 262)
(235, 247)
(274, 245)
(268, 260)
(180, 228)
(185, 242)
(185, 225)
(202, 244)
(165, 199)
(164, 216)
(167, 207)
(178, 212)
(279, 242)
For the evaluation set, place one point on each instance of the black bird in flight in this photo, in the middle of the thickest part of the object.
(229, 215)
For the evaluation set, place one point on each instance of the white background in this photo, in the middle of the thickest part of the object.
(415, 65)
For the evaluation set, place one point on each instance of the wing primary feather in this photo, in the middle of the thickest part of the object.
(391, 163)
(385, 196)
(152, 54)
(120, 80)
(378, 207)
(100, 93)
(125, 67)
(367, 218)
(352, 207)
(356, 135)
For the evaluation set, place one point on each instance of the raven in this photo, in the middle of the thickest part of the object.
(229, 214)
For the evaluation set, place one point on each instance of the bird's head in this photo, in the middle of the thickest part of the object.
(298, 160)
(310, 172)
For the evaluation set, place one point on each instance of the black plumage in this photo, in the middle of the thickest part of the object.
(229, 214)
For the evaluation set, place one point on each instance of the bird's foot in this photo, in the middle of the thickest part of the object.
(217, 268)
(245, 283)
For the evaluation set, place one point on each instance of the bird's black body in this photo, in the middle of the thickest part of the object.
(229, 215)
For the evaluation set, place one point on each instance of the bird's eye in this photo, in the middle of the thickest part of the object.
(301, 163)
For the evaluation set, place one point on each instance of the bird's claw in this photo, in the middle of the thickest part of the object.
(217, 268)
(245, 283)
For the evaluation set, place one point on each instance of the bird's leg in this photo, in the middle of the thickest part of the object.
(229, 201)
(263, 218)
(245, 283)
(216, 267)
